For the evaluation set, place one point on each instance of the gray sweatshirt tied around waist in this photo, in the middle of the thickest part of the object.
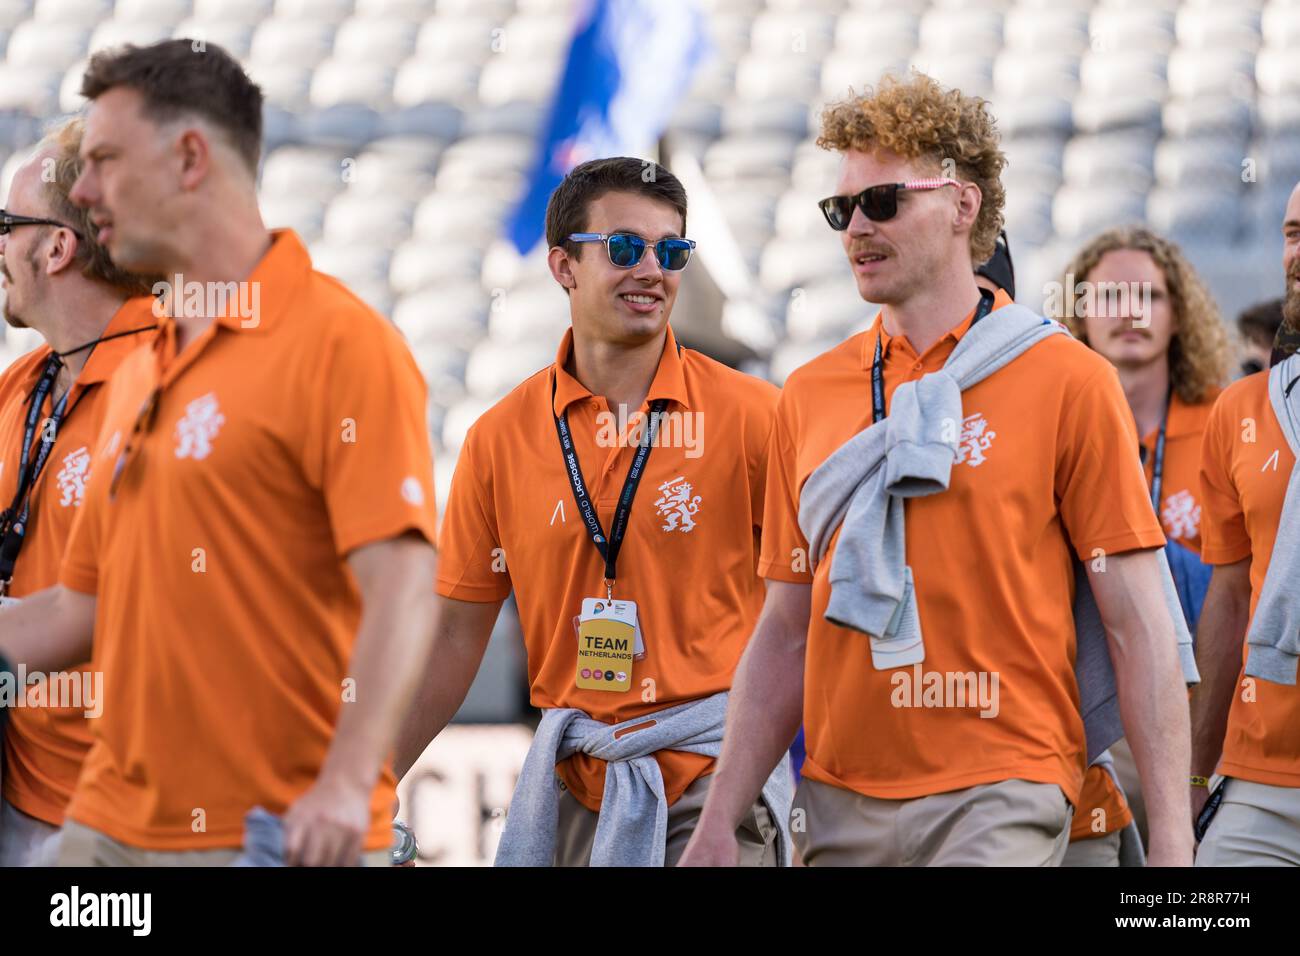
(633, 825)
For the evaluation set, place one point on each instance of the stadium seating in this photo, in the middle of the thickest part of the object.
(400, 132)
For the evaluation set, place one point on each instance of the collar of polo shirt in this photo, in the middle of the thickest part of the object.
(669, 381)
(277, 280)
(1000, 298)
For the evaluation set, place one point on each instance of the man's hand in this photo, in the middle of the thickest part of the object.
(711, 845)
(327, 825)
(1200, 797)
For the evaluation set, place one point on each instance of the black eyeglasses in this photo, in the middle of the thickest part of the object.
(878, 203)
(625, 249)
(8, 220)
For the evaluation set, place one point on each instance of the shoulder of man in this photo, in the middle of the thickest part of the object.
(23, 369)
(526, 403)
(807, 378)
(1250, 390)
(735, 386)
(338, 311)
(1066, 357)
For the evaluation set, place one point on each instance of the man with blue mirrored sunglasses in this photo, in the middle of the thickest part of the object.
(629, 542)
(625, 249)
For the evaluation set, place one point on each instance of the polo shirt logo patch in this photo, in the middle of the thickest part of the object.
(412, 493)
(72, 478)
(196, 431)
(976, 437)
(676, 505)
(1182, 515)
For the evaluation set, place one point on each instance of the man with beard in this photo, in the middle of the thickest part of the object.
(59, 281)
(1246, 713)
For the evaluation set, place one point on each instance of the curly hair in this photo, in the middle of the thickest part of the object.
(1199, 352)
(919, 118)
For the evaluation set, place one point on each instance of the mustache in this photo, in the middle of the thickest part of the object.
(868, 250)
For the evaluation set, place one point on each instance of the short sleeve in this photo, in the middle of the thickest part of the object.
(471, 560)
(368, 446)
(1224, 538)
(758, 453)
(1102, 492)
(784, 552)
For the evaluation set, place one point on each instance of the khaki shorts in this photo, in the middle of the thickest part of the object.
(25, 840)
(576, 832)
(1009, 823)
(1094, 851)
(1256, 825)
(82, 846)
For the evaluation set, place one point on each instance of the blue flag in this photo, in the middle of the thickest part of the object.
(629, 63)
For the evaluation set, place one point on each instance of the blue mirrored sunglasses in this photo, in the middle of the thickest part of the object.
(625, 249)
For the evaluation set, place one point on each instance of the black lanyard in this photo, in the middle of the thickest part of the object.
(13, 521)
(106, 338)
(1158, 466)
(586, 508)
(877, 372)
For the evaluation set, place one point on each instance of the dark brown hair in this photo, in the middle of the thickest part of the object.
(1260, 322)
(180, 77)
(566, 213)
(64, 166)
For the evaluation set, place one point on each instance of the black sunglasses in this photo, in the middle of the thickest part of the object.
(878, 203)
(8, 220)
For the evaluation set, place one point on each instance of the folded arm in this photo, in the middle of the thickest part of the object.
(48, 631)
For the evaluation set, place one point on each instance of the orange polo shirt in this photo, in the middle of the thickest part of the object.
(1044, 441)
(226, 611)
(1244, 473)
(689, 558)
(44, 745)
(1180, 494)
(1180, 515)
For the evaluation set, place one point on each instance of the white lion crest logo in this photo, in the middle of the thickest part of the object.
(975, 440)
(1182, 515)
(72, 478)
(677, 506)
(195, 432)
